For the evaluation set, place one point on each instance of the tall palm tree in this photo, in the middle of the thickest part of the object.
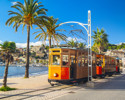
(29, 13)
(50, 30)
(6, 51)
(100, 40)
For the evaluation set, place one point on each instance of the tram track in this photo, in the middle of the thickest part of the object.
(59, 88)
(37, 92)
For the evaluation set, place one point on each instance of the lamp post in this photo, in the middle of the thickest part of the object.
(88, 30)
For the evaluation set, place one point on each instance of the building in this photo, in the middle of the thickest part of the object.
(116, 53)
(35, 49)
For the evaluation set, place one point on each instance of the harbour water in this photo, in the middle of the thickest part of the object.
(17, 71)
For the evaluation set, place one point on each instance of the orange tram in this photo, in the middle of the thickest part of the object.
(71, 65)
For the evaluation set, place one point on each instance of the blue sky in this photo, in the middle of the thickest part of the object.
(107, 14)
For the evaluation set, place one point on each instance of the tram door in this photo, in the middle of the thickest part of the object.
(72, 66)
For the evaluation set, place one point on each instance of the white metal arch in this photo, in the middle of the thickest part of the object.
(89, 42)
(83, 25)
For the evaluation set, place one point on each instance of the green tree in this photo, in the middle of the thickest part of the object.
(47, 47)
(7, 48)
(28, 14)
(100, 40)
(72, 43)
(81, 45)
(49, 30)
(118, 47)
(33, 54)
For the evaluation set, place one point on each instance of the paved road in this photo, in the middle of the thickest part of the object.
(111, 88)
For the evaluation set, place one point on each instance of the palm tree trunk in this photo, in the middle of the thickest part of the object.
(6, 73)
(27, 53)
(49, 42)
(99, 50)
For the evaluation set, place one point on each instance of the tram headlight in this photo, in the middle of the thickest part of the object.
(55, 74)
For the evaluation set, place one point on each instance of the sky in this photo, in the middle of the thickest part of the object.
(106, 14)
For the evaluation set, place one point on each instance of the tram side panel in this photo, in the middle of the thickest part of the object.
(82, 65)
(113, 65)
(107, 65)
(110, 66)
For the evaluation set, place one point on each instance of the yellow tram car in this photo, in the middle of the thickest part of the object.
(69, 65)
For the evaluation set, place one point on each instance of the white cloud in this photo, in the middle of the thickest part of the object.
(14, 3)
(23, 45)
(1, 42)
(76, 39)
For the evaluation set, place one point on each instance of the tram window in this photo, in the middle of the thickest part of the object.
(56, 59)
(86, 61)
(72, 60)
(99, 61)
(83, 61)
(65, 50)
(56, 50)
(65, 60)
(79, 61)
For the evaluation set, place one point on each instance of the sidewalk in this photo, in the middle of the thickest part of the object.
(27, 83)
(111, 88)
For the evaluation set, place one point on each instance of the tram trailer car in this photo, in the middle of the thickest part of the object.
(69, 65)
(110, 65)
(106, 65)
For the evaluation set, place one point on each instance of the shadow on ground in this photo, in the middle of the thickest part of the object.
(116, 82)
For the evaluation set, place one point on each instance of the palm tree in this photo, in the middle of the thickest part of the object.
(49, 30)
(81, 45)
(7, 49)
(105, 41)
(100, 40)
(72, 43)
(28, 14)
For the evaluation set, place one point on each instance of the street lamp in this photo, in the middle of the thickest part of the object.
(88, 30)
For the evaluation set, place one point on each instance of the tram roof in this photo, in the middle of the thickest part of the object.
(69, 48)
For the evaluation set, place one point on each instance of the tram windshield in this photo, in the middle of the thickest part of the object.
(56, 59)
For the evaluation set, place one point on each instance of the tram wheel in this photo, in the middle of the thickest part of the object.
(51, 84)
(103, 76)
(76, 84)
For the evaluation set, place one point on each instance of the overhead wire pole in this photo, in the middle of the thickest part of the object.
(89, 48)
(89, 42)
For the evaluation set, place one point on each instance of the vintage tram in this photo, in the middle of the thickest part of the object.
(106, 65)
(71, 65)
